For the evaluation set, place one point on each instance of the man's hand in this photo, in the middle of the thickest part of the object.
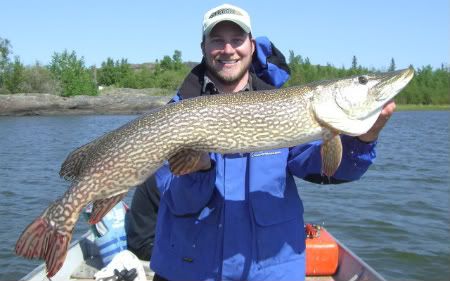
(189, 161)
(373, 133)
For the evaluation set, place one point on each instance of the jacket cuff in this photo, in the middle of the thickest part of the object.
(358, 146)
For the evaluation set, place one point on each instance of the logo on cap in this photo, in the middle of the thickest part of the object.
(225, 11)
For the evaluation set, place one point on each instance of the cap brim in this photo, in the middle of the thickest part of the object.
(242, 25)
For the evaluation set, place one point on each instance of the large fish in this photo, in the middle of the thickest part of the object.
(103, 170)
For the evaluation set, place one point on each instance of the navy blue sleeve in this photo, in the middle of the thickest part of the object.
(305, 161)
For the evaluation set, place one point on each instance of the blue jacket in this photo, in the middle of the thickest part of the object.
(243, 216)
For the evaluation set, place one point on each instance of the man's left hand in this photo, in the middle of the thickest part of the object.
(384, 117)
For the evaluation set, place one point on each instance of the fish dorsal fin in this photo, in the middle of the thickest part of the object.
(72, 166)
(328, 113)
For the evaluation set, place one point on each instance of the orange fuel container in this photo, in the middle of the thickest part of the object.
(322, 252)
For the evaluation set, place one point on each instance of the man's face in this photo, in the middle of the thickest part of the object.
(228, 52)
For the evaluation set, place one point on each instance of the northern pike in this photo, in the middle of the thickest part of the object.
(103, 170)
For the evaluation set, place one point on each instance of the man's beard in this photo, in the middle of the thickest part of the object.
(227, 79)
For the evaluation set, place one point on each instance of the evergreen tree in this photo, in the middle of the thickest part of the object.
(67, 74)
(108, 74)
(14, 76)
(392, 65)
(354, 63)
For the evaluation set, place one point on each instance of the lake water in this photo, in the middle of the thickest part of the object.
(395, 218)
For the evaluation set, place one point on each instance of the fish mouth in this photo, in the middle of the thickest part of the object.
(391, 83)
(353, 112)
(388, 86)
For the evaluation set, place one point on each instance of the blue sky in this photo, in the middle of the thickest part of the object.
(326, 31)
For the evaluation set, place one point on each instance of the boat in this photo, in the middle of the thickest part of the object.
(327, 260)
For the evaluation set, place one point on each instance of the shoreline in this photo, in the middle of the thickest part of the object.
(117, 101)
(422, 107)
(113, 101)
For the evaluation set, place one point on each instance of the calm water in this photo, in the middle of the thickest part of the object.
(396, 217)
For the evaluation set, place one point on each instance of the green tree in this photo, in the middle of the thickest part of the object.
(108, 74)
(165, 64)
(392, 65)
(5, 51)
(169, 72)
(177, 61)
(14, 76)
(127, 77)
(73, 76)
(145, 78)
(118, 73)
(354, 63)
(295, 64)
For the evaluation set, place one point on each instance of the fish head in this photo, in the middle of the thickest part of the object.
(352, 105)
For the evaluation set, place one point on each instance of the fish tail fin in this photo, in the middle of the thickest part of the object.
(42, 240)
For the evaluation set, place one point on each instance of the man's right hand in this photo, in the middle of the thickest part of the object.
(189, 161)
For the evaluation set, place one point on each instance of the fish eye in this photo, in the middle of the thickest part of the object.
(363, 80)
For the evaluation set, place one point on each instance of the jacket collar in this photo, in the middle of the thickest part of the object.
(193, 84)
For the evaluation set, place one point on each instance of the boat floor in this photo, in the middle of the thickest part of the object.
(87, 269)
(83, 261)
(91, 263)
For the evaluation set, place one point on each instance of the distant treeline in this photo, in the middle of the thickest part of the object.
(67, 75)
(428, 87)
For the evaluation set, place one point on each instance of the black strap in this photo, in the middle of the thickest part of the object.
(278, 59)
(192, 84)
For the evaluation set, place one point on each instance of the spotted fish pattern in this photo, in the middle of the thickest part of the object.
(103, 170)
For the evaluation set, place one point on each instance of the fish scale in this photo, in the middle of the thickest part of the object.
(104, 169)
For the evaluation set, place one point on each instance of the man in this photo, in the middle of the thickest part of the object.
(270, 65)
(239, 216)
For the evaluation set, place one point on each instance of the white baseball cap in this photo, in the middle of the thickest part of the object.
(226, 12)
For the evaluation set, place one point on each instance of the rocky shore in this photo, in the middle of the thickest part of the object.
(112, 101)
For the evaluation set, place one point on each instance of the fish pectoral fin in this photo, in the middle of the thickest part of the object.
(102, 206)
(331, 152)
(184, 160)
(42, 240)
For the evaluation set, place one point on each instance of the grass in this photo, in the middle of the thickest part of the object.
(422, 107)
